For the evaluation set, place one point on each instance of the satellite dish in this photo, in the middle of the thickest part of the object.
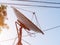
(26, 22)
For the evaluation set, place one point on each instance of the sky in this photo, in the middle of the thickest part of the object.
(47, 17)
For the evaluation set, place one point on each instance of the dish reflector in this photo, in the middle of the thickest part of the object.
(26, 22)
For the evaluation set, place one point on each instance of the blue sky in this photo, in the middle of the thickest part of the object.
(47, 17)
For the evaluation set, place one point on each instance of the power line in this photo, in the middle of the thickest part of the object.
(42, 2)
(52, 28)
(34, 33)
(8, 39)
(14, 41)
(31, 5)
(27, 42)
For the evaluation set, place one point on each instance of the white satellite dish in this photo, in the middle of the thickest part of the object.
(26, 22)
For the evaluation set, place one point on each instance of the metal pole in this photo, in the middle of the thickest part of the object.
(20, 36)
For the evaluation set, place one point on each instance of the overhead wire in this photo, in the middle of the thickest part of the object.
(27, 42)
(35, 33)
(31, 5)
(8, 39)
(14, 41)
(49, 2)
(52, 28)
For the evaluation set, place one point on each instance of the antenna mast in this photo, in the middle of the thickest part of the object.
(19, 31)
